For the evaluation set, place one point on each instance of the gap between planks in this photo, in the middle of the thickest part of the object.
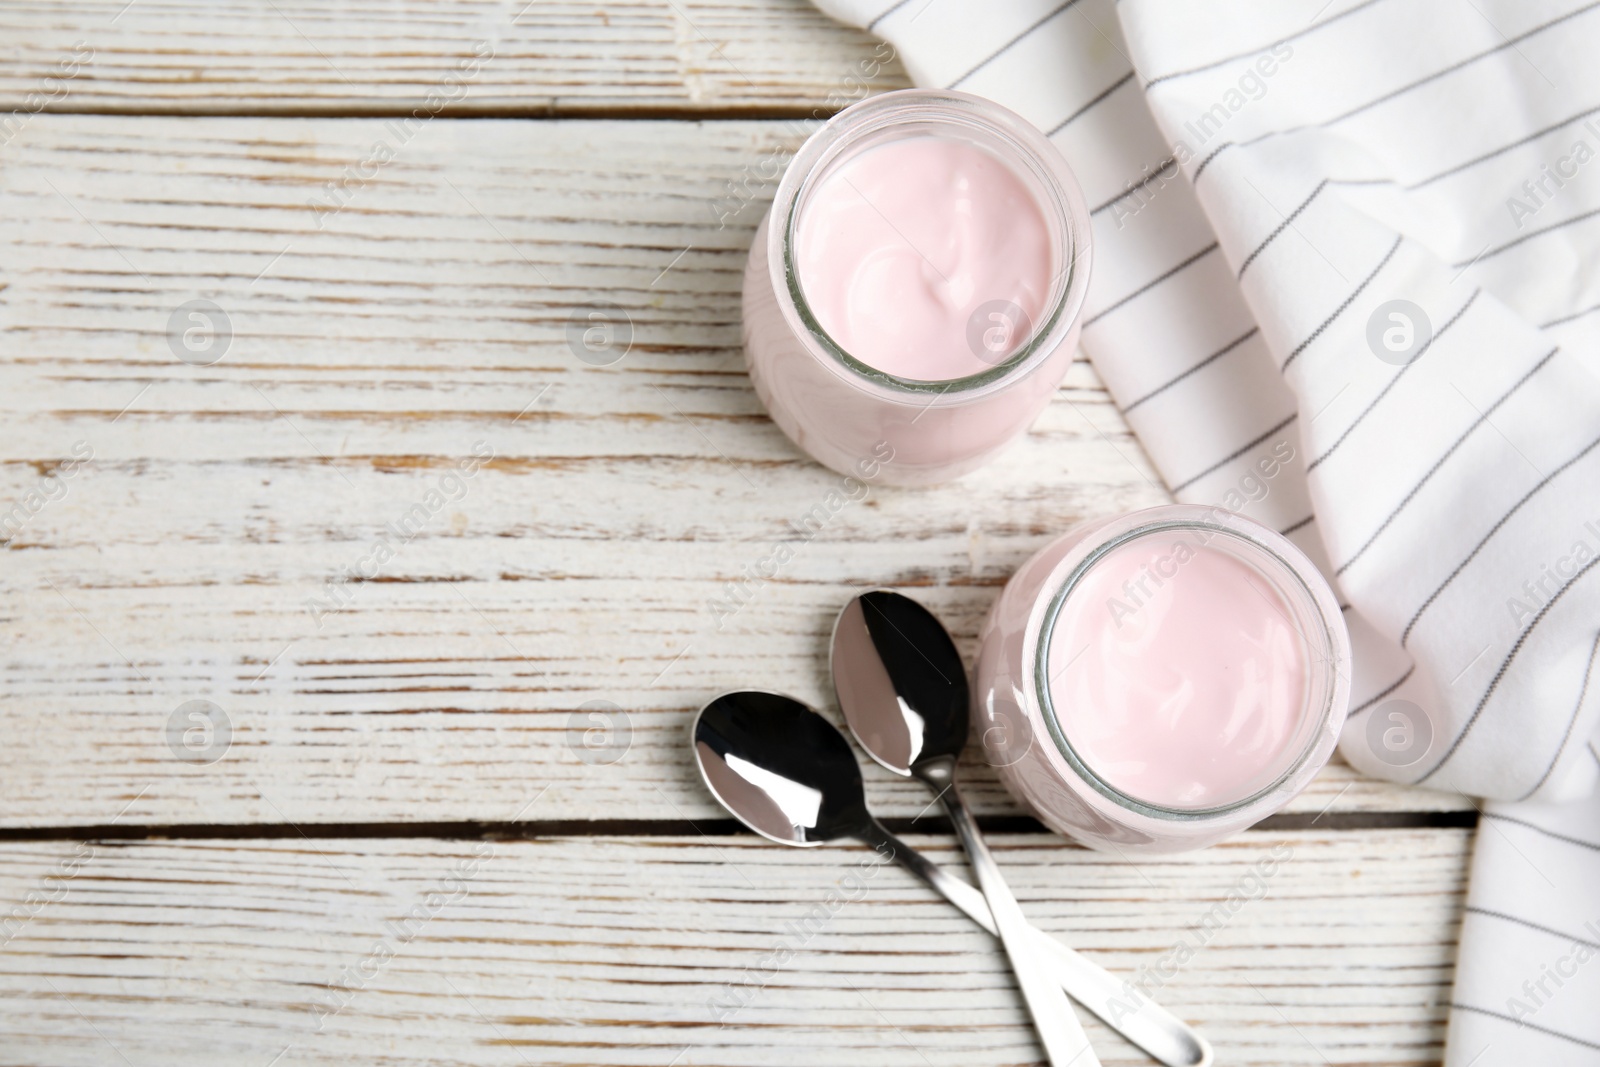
(467, 830)
(547, 111)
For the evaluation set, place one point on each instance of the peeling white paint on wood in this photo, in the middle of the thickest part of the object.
(300, 57)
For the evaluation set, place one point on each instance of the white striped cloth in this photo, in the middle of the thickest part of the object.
(1266, 180)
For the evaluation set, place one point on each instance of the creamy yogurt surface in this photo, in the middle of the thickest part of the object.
(924, 257)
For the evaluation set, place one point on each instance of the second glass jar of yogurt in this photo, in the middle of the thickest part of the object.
(913, 297)
(1160, 680)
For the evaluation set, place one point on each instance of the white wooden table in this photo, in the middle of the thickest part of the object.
(406, 834)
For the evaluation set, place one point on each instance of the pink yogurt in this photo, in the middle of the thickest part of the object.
(1177, 675)
(913, 255)
(912, 300)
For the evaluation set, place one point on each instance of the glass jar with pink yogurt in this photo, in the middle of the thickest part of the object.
(912, 299)
(1161, 680)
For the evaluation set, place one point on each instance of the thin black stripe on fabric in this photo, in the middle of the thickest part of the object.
(1206, 162)
(1524, 1022)
(1529, 924)
(1507, 42)
(1003, 49)
(1397, 93)
(1093, 100)
(1340, 310)
(1505, 665)
(1293, 526)
(1288, 220)
(1536, 828)
(1458, 168)
(892, 9)
(1577, 709)
(1393, 381)
(1206, 362)
(1485, 157)
(1525, 238)
(1529, 495)
(1383, 693)
(1459, 441)
(1133, 187)
(1569, 318)
(1152, 283)
(1493, 530)
(1235, 454)
(1315, 26)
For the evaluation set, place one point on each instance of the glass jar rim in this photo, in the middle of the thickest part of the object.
(1324, 721)
(1028, 146)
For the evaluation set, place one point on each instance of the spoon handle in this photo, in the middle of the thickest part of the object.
(1136, 1017)
(1054, 1020)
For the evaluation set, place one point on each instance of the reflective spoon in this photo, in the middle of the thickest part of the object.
(903, 688)
(789, 774)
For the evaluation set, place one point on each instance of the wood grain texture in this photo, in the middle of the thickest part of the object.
(208, 549)
(548, 57)
(1337, 949)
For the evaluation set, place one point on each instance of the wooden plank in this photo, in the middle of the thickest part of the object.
(512, 57)
(1300, 948)
(208, 549)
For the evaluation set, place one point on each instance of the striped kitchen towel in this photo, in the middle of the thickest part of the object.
(1347, 282)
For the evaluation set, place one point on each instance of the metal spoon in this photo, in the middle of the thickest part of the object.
(789, 774)
(903, 689)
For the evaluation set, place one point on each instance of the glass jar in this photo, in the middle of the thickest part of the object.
(1029, 739)
(854, 418)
